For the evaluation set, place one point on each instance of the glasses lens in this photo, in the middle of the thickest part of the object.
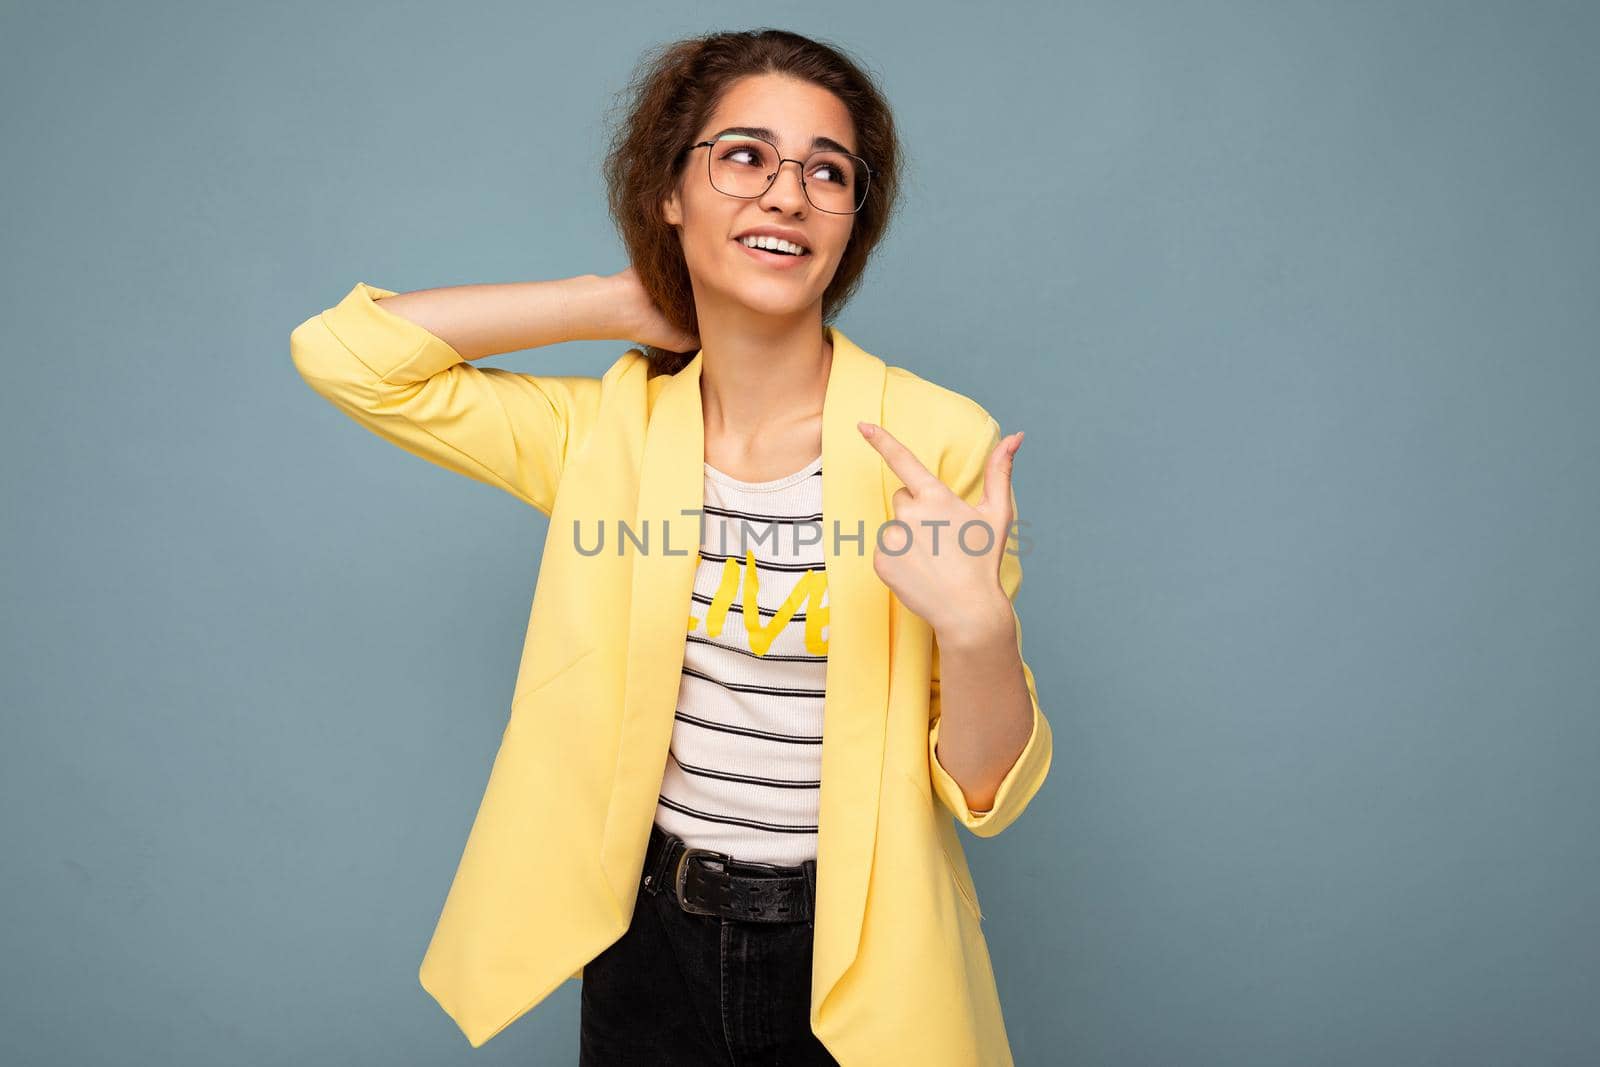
(745, 166)
(742, 166)
(834, 181)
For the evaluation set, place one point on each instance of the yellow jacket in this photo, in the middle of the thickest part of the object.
(547, 880)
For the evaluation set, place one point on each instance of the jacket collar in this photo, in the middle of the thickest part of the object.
(855, 501)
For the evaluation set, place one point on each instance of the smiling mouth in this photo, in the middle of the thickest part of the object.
(774, 261)
(772, 252)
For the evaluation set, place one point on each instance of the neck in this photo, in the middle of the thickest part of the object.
(754, 384)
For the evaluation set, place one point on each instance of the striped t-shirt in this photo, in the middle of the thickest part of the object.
(743, 771)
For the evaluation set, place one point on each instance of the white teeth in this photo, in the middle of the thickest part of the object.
(769, 243)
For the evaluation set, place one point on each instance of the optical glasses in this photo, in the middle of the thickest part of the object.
(746, 167)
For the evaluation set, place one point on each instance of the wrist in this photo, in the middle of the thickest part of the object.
(589, 309)
(982, 622)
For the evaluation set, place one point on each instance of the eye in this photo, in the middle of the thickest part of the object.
(753, 155)
(830, 170)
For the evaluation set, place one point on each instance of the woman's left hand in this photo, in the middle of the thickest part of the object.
(947, 574)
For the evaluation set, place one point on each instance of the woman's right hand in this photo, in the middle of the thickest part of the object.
(642, 320)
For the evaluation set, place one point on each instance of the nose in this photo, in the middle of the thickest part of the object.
(794, 193)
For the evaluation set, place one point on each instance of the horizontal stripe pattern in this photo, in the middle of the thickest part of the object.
(743, 771)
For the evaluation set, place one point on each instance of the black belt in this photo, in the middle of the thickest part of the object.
(707, 882)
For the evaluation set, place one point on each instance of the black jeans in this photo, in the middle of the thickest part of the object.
(685, 989)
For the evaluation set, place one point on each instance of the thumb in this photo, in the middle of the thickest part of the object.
(997, 473)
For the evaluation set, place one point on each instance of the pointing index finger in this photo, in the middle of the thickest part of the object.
(908, 467)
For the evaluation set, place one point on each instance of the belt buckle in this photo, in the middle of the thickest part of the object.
(682, 874)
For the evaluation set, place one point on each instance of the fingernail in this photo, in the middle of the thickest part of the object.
(867, 428)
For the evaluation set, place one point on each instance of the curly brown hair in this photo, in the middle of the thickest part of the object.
(674, 89)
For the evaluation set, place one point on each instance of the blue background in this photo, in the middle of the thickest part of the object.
(1297, 303)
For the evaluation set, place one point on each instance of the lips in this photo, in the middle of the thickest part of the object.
(771, 260)
(792, 236)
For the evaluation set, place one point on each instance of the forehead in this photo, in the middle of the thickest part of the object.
(795, 112)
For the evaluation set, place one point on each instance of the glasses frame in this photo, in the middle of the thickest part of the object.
(866, 169)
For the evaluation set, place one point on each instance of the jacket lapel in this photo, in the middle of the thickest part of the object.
(855, 501)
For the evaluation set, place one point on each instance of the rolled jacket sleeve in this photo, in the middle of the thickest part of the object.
(507, 429)
(1017, 788)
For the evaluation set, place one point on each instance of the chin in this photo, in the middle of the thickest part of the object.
(766, 302)
(769, 296)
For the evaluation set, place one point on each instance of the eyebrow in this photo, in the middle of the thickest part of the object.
(766, 134)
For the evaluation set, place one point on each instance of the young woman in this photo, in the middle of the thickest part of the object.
(736, 832)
